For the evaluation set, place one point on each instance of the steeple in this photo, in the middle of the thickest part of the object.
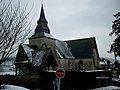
(42, 30)
(42, 23)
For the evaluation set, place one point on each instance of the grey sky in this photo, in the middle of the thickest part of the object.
(76, 19)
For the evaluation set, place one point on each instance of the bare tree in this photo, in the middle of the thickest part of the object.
(14, 27)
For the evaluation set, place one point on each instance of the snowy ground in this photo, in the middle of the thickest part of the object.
(108, 88)
(12, 87)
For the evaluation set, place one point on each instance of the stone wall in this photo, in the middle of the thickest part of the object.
(71, 80)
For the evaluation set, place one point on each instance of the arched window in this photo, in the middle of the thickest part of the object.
(43, 46)
(50, 63)
(80, 64)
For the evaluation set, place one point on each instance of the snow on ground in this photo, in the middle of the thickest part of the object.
(12, 87)
(108, 88)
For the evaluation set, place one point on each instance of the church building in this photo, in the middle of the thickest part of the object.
(45, 53)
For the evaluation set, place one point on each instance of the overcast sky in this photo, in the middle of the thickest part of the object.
(77, 19)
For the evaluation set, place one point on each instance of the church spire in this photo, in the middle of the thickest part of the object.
(42, 23)
(42, 15)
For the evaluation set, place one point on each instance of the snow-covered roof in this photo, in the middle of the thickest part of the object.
(103, 61)
(38, 56)
(28, 51)
(32, 54)
(63, 50)
(108, 59)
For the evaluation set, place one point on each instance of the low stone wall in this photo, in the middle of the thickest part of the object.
(72, 80)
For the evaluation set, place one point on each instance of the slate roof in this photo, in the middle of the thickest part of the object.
(39, 57)
(82, 48)
(32, 54)
(63, 50)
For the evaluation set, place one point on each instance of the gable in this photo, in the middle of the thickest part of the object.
(24, 54)
(21, 55)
